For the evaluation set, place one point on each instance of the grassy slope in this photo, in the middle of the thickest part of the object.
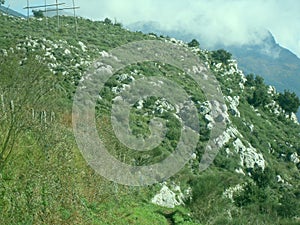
(48, 182)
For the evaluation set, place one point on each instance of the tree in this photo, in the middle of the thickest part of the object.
(26, 84)
(259, 81)
(193, 43)
(260, 96)
(258, 194)
(107, 21)
(2, 2)
(221, 56)
(38, 13)
(289, 101)
(250, 80)
(254, 81)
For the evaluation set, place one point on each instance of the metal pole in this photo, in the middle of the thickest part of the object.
(46, 12)
(74, 10)
(28, 10)
(57, 14)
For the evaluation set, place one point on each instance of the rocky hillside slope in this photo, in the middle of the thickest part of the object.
(276, 64)
(44, 178)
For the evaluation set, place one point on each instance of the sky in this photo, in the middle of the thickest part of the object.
(225, 21)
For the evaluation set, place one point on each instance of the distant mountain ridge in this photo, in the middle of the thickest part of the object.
(277, 65)
(11, 12)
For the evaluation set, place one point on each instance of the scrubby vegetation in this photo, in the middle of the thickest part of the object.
(44, 179)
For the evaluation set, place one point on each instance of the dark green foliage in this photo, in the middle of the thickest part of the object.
(250, 80)
(107, 21)
(260, 97)
(38, 13)
(221, 55)
(118, 24)
(289, 101)
(207, 203)
(261, 197)
(251, 194)
(259, 81)
(193, 43)
(289, 205)
(262, 178)
(258, 200)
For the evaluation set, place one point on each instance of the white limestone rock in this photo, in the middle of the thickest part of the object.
(104, 54)
(233, 105)
(140, 104)
(67, 52)
(4, 52)
(167, 198)
(295, 158)
(163, 105)
(279, 179)
(229, 193)
(228, 152)
(219, 65)
(205, 108)
(294, 118)
(240, 171)
(194, 156)
(223, 139)
(229, 133)
(216, 110)
(249, 155)
(83, 46)
(271, 90)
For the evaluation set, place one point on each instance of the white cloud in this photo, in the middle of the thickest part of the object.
(229, 21)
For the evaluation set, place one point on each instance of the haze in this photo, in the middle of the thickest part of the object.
(218, 21)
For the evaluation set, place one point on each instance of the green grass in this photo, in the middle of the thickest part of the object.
(47, 181)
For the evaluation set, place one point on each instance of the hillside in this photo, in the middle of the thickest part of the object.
(44, 178)
(277, 65)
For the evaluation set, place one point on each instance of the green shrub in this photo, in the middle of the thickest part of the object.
(221, 56)
(194, 43)
(289, 101)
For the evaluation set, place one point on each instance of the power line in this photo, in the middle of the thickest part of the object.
(59, 9)
(41, 6)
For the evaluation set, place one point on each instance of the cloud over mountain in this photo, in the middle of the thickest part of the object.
(229, 22)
